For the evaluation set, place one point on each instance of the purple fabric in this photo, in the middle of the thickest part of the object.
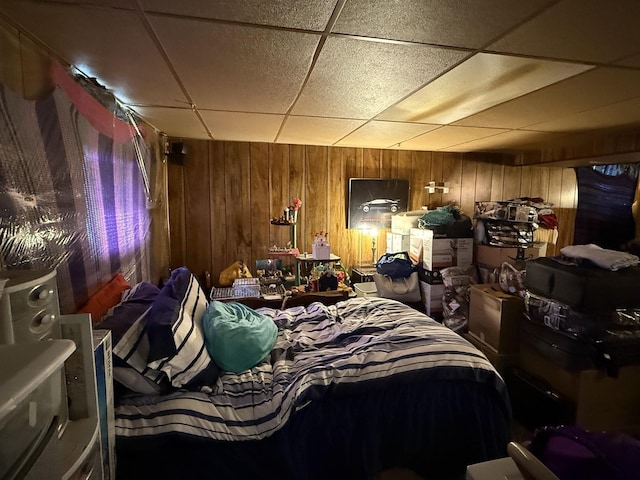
(72, 199)
(120, 318)
(573, 453)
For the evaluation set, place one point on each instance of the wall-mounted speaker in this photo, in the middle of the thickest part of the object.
(176, 153)
(29, 309)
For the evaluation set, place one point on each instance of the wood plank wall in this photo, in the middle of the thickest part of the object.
(223, 197)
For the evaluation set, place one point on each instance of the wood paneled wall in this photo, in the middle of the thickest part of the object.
(222, 198)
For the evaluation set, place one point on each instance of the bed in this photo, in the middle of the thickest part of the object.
(346, 391)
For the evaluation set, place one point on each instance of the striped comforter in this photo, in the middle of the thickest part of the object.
(354, 346)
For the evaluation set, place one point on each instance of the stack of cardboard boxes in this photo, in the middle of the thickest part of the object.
(401, 225)
(494, 323)
(432, 251)
(495, 316)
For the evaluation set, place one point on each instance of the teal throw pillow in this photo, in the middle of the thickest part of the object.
(236, 336)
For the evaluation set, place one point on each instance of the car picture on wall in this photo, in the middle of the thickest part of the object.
(372, 201)
(382, 204)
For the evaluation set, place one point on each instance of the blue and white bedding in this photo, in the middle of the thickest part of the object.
(357, 346)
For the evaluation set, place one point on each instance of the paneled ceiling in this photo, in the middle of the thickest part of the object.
(442, 75)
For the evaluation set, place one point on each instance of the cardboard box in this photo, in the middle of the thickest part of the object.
(432, 298)
(433, 277)
(416, 238)
(404, 222)
(446, 252)
(494, 257)
(495, 316)
(397, 242)
(602, 402)
(502, 361)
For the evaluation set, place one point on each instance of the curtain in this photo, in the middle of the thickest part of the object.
(72, 198)
(604, 215)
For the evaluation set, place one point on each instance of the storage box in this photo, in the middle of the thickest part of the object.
(397, 242)
(502, 361)
(404, 222)
(320, 252)
(446, 252)
(601, 402)
(434, 277)
(495, 316)
(362, 274)
(366, 289)
(494, 257)
(492, 469)
(416, 237)
(33, 402)
(102, 351)
(432, 297)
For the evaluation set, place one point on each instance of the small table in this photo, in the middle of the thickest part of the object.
(308, 262)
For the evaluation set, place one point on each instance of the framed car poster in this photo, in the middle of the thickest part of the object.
(372, 201)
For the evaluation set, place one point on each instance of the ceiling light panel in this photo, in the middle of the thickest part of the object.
(574, 30)
(242, 127)
(481, 82)
(444, 137)
(316, 131)
(592, 89)
(283, 13)
(175, 122)
(106, 43)
(462, 23)
(237, 68)
(358, 79)
(378, 134)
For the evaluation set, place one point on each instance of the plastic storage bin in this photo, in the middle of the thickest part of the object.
(32, 400)
(366, 289)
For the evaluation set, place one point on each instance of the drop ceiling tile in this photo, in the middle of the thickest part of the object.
(462, 23)
(174, 122)
(358, 79)
(617, 115)
(242, 127)
(237, 68)
(630, 61)
(592, 89)
(496, 78)
(378, 134)
(102, 46)
(445, 137)
(316, 130)
(511, 140)
(283, 13)
(123, 4)
(587, 31)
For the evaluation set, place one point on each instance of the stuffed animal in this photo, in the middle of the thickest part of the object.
(236, 270)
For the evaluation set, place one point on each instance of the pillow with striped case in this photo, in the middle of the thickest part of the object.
(174, 332)
(127, 322)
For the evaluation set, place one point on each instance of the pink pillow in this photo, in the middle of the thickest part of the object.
(105, 298)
